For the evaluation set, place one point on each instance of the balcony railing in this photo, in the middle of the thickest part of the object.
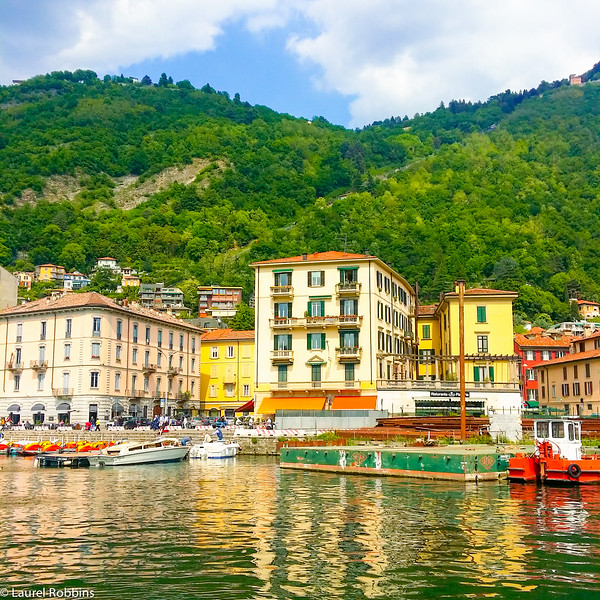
(136, 393)
(282, 290)
(282, 356)
(296, 386)
(348, 353)
(326, 321)
(172, 371)
(347, 289)
(440, 384)
(14, 366)
(62, 392)
(350, 321)
(149, 368)
(39, 365)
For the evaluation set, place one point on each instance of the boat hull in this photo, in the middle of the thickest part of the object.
(214, 450)
(141, 457)
(555, 470)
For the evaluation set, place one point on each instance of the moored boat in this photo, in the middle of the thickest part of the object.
(160, 450)
(210, 449)
(558, 457)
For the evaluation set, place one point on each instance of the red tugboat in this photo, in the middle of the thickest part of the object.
(557, 458)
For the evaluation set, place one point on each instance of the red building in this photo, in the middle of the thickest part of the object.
(535, 348)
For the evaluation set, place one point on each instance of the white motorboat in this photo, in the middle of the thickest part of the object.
(210, 449)
(160, 450)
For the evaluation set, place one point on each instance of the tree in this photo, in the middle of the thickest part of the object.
(104, 281)
(244, 318)
(163, 80)
(146, 80)
(73, 256)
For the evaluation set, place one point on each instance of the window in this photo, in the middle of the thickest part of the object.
(230, 352)
(214, 352)
(426, 332)
(133, 383)
(282, 373)
(19, 332)
(283, 310)
(159, 338)
(135, 333)
(316, 278)
(40, 382)
(245, 389)
(316, 308)
(193, 385)
(348, 276)
(575, 371)
(542, 376)
(193, 345)
(481, 314)
(17, 382)
(170, 340)
(315, 373)
(483, 374)
(158, 358)
(146, 358)
(180, 363)
(587, 370)
(94, 379)
(349, 339)
(146, 383)
(587, 386)
(565, 390)
(158, 382)
(229, 390)
(530, 375)
(119, 329)
(95, 349)
(315, 341)
(43, 330)
(482, 344)
(283, 279)
(379, 280)
(134, 354)
(117, 381)
(349, 372)
(42, 354)
(543, 391)
(213, 391)
(387, 284)
(147, 335)
(67, 351)
(529, 354)
(559, 354)
(118, 353)
(554, 391)
(181, 342)
(564, 372)
(69, 328)
(96, 326)
(558, 430)
(193, 366)
(546, 355)
(283, 342)
(576, 389)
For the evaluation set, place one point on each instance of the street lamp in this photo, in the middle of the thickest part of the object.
(169, 358)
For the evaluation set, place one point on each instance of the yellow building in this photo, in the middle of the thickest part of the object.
(227, 371)
(429, 339)
(49, 272)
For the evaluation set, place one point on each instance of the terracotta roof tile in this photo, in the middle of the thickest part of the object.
(535, 330)
(588, 302)
(84, 299)
(482, 291)
(427, 309)
(581, 338)
(572, 358)
(330, 255)
(227, 334)
(542, 341)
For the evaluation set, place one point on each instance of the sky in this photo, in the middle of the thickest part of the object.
(350, 61)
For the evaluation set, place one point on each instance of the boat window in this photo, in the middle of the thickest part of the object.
(542, 429)
(558, 430)
(577, 432)
(571, 432)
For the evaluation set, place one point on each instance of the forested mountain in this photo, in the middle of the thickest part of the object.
(190, 186)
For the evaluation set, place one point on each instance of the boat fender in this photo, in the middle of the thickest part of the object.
(574, 470)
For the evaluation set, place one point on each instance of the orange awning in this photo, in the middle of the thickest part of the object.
(354, 402)
(270, 405)
(248, 407)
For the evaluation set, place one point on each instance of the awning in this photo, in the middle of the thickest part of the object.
(117, 408)
(14, 408)
(354, 402)
(38, 407)
(248, 407)
(64, 406)
(533, 404)
(269, 406)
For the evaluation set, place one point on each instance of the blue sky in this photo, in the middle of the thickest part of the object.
(351, 61)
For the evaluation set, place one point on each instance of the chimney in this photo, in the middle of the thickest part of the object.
(305, 257)
(366, 253)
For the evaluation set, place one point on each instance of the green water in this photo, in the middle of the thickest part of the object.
(243, 528)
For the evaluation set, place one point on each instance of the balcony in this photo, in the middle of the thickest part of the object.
(136, 393)
(15, 367)
(443, 385)
(350, 321)
(62, 392)
(320, 322)
(284, 322)
(348, 353)
(39, 365)
(282, 356)
(282, 291)
(172, 371)
(148, 368)
(350, 288)
(299, 386)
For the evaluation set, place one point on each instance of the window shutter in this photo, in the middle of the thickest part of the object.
(476, 374)
(322, 308)
(308, 277)
(322, 277)
(289, 309)
(491, 373)
(275, 343)
(308, 341)
(322, 341)
(308, 310)
(289, 341)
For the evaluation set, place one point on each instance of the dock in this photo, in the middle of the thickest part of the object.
(62, 460)
(460, 463)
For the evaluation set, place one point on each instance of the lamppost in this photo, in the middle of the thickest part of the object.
(170, 375)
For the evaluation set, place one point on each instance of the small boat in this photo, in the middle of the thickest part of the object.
(557, 458)
(160, 450)
(210, 449)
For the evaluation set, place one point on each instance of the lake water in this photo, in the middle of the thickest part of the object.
(244, 528)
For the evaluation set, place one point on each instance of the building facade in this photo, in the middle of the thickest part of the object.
(9, 288)
(25, 279)
(227, 371)
(169, 300)
(329, 326)
(82, 356)
(588, 309)
(534, 350)
(218, 301)
(50, 272)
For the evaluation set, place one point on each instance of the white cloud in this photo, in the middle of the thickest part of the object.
(390, 57)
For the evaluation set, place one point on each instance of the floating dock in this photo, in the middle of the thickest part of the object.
(460, 463)
(61, 460)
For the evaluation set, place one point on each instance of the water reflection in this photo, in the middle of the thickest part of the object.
(245, 529)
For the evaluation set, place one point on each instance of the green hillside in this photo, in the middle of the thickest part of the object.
(191, 185)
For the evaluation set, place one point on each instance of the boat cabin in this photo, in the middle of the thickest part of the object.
(563, 434)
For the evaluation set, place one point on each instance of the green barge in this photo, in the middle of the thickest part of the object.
(460, 463)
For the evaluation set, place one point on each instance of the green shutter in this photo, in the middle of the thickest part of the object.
(491, 373)
(308, 341)
(289, 341)
(322, 341)
(275, 343)
(322, 308)
(475, 374)
(481, 314)
(308, 310)
(290, 310)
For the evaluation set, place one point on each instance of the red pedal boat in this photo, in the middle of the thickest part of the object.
(557, 458)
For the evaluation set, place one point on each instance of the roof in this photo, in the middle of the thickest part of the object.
(482, 292)
(572, 358)
(535, 330)
(427, 309)
(315, 256)
(107, 258)
(581, 338)
(227, 334)
(587, 302)
(542, 341)
(90, 299)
